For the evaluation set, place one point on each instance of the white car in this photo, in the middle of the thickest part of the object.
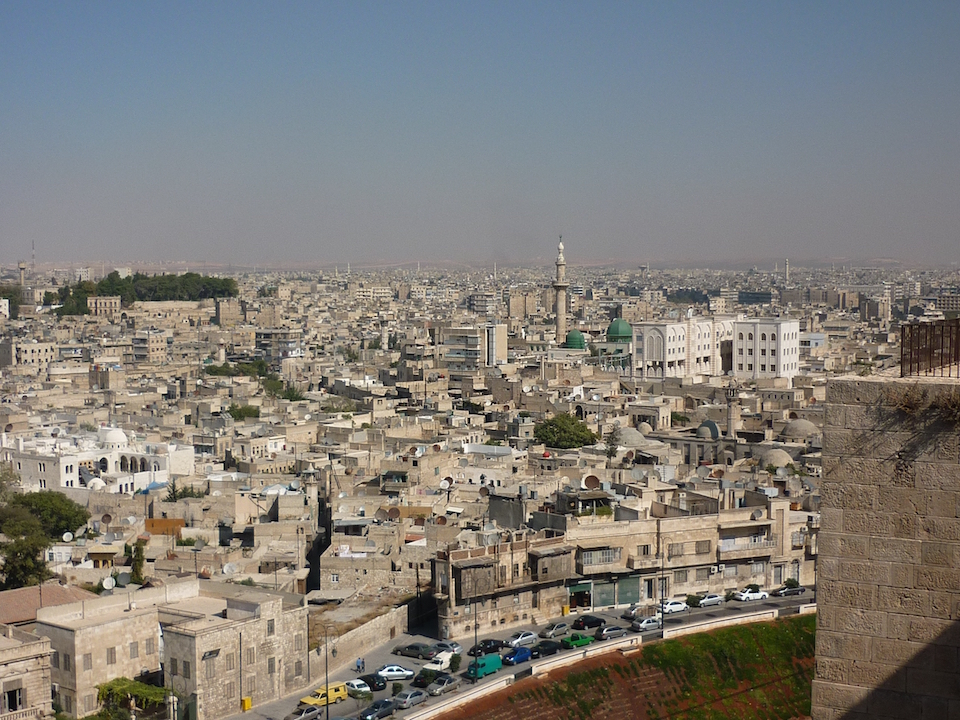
(674, 606)
(748, 593)
(711, 599)
(523, 637)
(395, 672)
(357, 688)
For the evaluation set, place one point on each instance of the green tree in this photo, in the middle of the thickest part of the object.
(139, 560)
(612, 440)
(23, 562)
(291, 393)
(56, 512)
(563, 431)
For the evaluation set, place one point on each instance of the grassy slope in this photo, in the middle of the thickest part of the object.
(761, 671)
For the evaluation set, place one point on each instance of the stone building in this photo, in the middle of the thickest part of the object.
(889, 584)
(24, 675)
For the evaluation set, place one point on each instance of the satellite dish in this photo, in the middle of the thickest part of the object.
(444, 484)
(393, 513)
(781, 472)
(756, 514)
(595, 398)
(381, 515)
(442, 520)
(526, 388)
(106, 519)
(123, 579)
(484, 491)
(703, 471)
(216, 493)
(68, 536)
(199, 545)
(109, 583)
(307, 416)
(295, 485)
(592, 482)
(230, 568)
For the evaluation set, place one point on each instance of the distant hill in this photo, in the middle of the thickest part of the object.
(760, 671)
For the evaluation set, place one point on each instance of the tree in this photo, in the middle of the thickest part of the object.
(56, 512)
(8, 478)
(613, 441)
(23, 562)
(563, 431)
(139, 559)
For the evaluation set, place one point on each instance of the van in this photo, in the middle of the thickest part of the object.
(484, 665)
(332, 693)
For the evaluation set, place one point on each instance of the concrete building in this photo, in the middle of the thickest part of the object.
(151, 346)
(104, 305)
(278, 344)
(766, 348)
(24, 675)
(15, 352)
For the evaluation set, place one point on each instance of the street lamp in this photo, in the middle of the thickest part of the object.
(663, 585)
(328, 631)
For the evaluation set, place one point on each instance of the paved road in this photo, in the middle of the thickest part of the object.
(277, 709)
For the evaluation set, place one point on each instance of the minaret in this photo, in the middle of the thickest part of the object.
(786, 270)
(560, 285)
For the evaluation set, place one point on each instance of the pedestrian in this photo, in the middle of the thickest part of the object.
(359, 665)
(363, 664)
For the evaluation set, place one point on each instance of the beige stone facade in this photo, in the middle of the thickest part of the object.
(889, 570)
(24, 675)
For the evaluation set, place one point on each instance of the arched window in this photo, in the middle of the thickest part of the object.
(773, 337)
(763, 336)
(740, 337)
(750, 336)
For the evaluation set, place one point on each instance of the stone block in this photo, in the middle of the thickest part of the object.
(834, 416)
(894, 550)
(930, 630)
(843, 645)
(867, 522)
(945, 605)
(905, 526)
(852, 620)
(854, 392)
(887, 702)
(932, 683)
(937, 476)
(904, 601)
(831, 519)
(898, 652)
(935, 578)
(841, 545)
(851, 595)
(828, 569)
(940, 528)
(907, 501)
(875, 675)
(900, 575)
(938, 554)
(853, 571)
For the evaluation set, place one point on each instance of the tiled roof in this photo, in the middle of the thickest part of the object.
(20, 605)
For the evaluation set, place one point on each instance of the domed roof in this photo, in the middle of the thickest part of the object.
(619, 331)
(708, 430)
(799, 429)
(113, 436)
(644, 428)
(575, 340)
(776, 457)
(630, 438)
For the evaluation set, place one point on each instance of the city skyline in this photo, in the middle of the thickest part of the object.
(685, 134)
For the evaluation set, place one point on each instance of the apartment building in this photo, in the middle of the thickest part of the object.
(24, 675)
(151, 346)
(766, 348)
(17, 352)
(104, 305)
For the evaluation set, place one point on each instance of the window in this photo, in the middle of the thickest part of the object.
(643, 550)
(334, 577)
(298, 668)
(730, 571)
(173, 666)
(675, 550)
(271, 665)
(210, 668)
(680, 576)
(87, 662)
(251, 656)
(186, 669)
(250, 686)
(703, 574)
(271, 627)
(298, 642)
(68, 704)
(757, 568)
(148, 648)
(600, 557)
(749, 351)
(703, 547)
(230, 661)
(230, 689)
(66, 662)
(739, 351)
(90, 702)
(55, 660)
(134, 650)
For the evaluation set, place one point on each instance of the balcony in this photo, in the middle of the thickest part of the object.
(602, 568)
(642, 562)
(741, 548)
(26, 714)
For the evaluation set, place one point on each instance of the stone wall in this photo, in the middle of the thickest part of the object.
(25, 672)
(355, 643)
(889, 568)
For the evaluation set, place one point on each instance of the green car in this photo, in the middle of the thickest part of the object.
(576, 640)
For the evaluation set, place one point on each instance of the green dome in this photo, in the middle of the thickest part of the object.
(575, 341)
(619, 331)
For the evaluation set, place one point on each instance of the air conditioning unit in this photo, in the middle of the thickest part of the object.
(721, 568)
(714, 569)
(55, 687)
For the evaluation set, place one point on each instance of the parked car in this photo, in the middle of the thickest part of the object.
(326, 694)
(409, 698)
(305, 712)
(787, 590)
(576, 640)
(751, 592)
(609, 631)
(545, 648)
(644, 624)
(395, 672)
(449, 646)
(632, 612)
(424, 678)
(379, 709)
(556, 629)
(674, 606)
(517, 656)
(418, 650)
(359, 687)
(711, 599)
(485, 647)
(375, 681)
(522, 637)
(443, 684)
(441, 663)
(588, 622)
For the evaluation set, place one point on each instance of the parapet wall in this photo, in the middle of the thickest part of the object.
(888, 578)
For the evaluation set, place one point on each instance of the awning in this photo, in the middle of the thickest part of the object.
(551, 551)
(583, 587)
(454, 509)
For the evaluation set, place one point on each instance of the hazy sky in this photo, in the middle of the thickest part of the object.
(387, 131)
